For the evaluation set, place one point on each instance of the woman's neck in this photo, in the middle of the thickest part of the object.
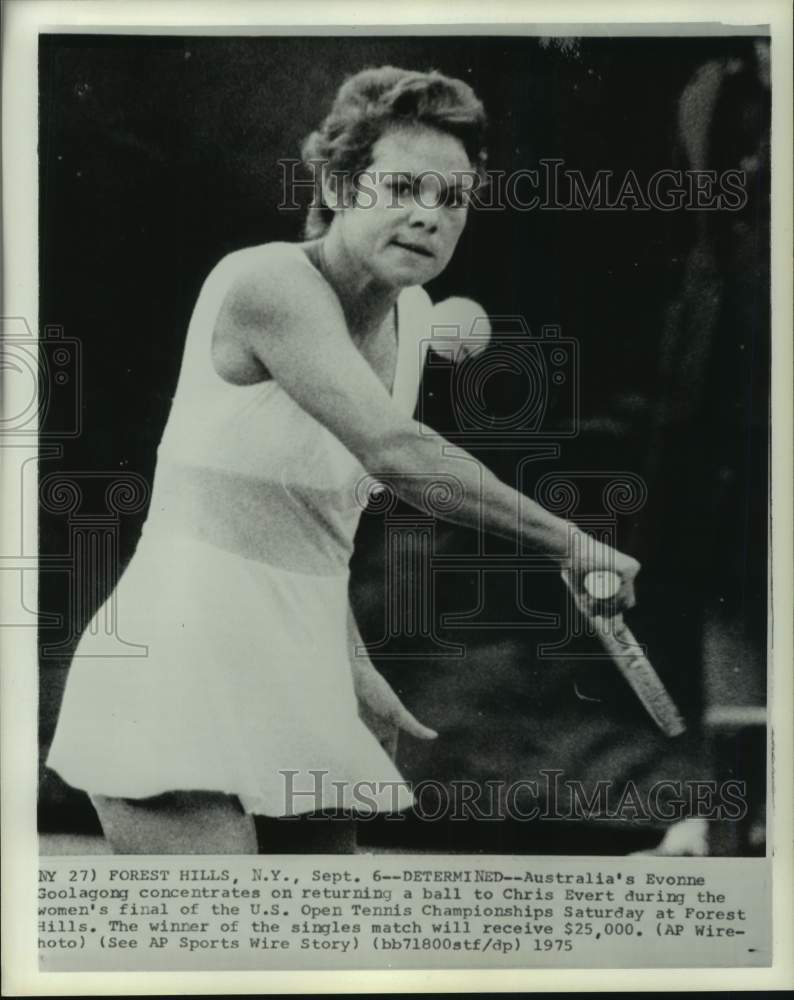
(365, 301)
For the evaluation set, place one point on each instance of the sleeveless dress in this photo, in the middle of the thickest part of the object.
(239, 589)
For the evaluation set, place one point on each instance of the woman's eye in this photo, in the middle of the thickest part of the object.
(455, 198)
(400, 187)
(403, 188)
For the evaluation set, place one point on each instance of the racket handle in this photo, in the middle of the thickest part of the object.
(619, 641)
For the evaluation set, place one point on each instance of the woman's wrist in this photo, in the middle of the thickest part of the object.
(558, 538)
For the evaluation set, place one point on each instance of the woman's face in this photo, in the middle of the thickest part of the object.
(410, 206)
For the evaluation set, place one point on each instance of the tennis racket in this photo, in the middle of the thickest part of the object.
(619, 641)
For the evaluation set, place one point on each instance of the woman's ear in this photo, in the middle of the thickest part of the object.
(336, 194)
(331, 193)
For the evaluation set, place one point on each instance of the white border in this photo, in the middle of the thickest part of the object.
(22, 20)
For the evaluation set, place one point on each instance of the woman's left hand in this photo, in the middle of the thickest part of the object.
(381, 710)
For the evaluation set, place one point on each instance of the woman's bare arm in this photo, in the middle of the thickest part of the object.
(293, 323)
(379, 707)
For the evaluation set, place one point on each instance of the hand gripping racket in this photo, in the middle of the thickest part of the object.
(619, 641)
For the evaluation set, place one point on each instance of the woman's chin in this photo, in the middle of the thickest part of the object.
(417, 272)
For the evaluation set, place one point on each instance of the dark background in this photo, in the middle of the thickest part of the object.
(159, 155)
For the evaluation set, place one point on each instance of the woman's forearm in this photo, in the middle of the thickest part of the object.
(466, 492)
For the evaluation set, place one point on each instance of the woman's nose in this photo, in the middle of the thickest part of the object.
(425, 216)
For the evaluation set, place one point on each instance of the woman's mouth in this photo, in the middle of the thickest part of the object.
(414, 248)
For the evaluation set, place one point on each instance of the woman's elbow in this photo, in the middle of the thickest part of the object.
(395, 452)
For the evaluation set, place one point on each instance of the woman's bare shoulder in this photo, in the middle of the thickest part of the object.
(268, 253)
(274, 290)
(270, 276)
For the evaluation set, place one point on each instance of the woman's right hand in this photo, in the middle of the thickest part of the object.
(590, 556)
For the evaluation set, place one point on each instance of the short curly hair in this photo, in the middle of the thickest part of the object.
(374, 100)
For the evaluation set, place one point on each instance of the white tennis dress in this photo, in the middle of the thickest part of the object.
(239, 589)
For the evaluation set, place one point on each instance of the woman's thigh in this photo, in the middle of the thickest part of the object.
(176, 823)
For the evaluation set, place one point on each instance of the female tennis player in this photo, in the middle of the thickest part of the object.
(298, 385)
